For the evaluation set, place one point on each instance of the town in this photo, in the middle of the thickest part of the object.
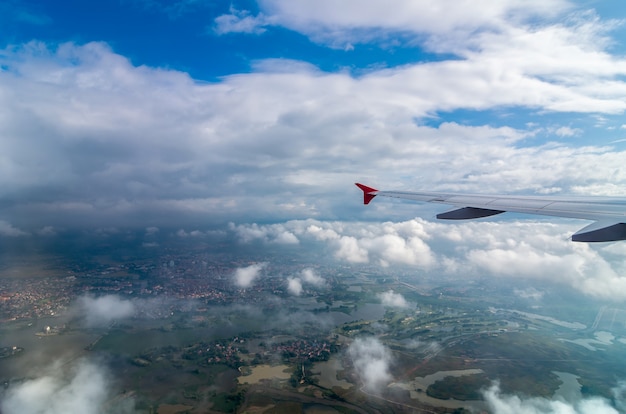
(189, 322)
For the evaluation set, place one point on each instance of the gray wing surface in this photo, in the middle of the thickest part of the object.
(608, 213)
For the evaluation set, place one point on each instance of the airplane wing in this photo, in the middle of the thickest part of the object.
(608, 213)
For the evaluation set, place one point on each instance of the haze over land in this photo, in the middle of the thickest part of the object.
(166, 166)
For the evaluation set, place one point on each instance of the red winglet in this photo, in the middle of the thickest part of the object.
(368, 193)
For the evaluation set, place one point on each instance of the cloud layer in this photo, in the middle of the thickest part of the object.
(501, 249)
(90, 137)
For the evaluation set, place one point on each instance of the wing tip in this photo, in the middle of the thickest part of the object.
(368, 192)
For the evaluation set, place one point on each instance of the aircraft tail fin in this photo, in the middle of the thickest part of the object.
(368, 193)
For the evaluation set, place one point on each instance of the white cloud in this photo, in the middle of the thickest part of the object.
(245, 276)
(82, 387)
(361, 21)
(240, 21)
(504, 404)
(371, 360)
(393, 299)
(567, 131)
(348, 249)
(286, 238)
(275, 233)
(294, 285)
(104, 309)
(310, 276)
(515, 249)
(264, 145)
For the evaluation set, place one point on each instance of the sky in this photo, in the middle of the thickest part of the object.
(155, 113)
(256, 118)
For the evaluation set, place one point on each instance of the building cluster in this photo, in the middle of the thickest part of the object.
(205, 279)
(222, 354)
(34, 298)
(303, 349)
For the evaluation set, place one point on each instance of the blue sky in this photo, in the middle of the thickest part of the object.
(195, 114)
(183, 36)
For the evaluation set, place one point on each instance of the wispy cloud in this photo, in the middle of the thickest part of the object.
(82, 387)
(103, 310)
(7, 229)
(240, 21)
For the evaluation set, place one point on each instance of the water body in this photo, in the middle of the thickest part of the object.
(40, 351)
(601, 339)
(570, 389)
(570, 325)
(132, 343)
(417, 389)
(326, 371)
(366, 312)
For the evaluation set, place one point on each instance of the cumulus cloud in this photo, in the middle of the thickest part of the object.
(294, 285)
(310, 276)
(501, 403)
(102, 310)
(82, 387)
(393, 299)
(515, 249)
(371, 360)
(245, 276)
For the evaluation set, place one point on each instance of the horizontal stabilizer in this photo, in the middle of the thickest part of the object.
(368, 193)
(468, 213)
(601, 232)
